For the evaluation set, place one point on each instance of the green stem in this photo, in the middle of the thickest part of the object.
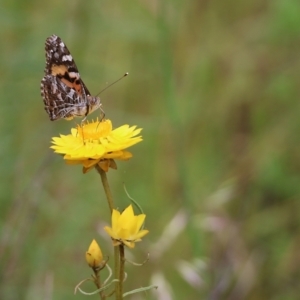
(118, 285)
(98, 283)
(121, 270)
(106, 188)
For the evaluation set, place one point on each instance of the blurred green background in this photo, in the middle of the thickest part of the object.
(215, 85)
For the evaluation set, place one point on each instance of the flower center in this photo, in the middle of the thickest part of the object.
(94, 131)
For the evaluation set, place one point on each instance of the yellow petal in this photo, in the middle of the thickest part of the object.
(126, 227)
(97, 141)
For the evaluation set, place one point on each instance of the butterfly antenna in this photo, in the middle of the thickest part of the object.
(126, 74)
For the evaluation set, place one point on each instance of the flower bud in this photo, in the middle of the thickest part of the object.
(94, 255)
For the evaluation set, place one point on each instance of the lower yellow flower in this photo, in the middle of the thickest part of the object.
(94, 256)
(126, 227)
(96, 143)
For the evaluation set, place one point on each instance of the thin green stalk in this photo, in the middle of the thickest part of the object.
(119, 283)
(97, 281)
(121, 269)
(106, 188)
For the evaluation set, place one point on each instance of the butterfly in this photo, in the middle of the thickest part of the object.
(64, 93)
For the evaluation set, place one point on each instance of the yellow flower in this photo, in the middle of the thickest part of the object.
(126, 227)
(94, 255)
(96, 143)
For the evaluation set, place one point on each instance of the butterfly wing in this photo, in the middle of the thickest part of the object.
(64, 93)
(60, 63)
(61, 101)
